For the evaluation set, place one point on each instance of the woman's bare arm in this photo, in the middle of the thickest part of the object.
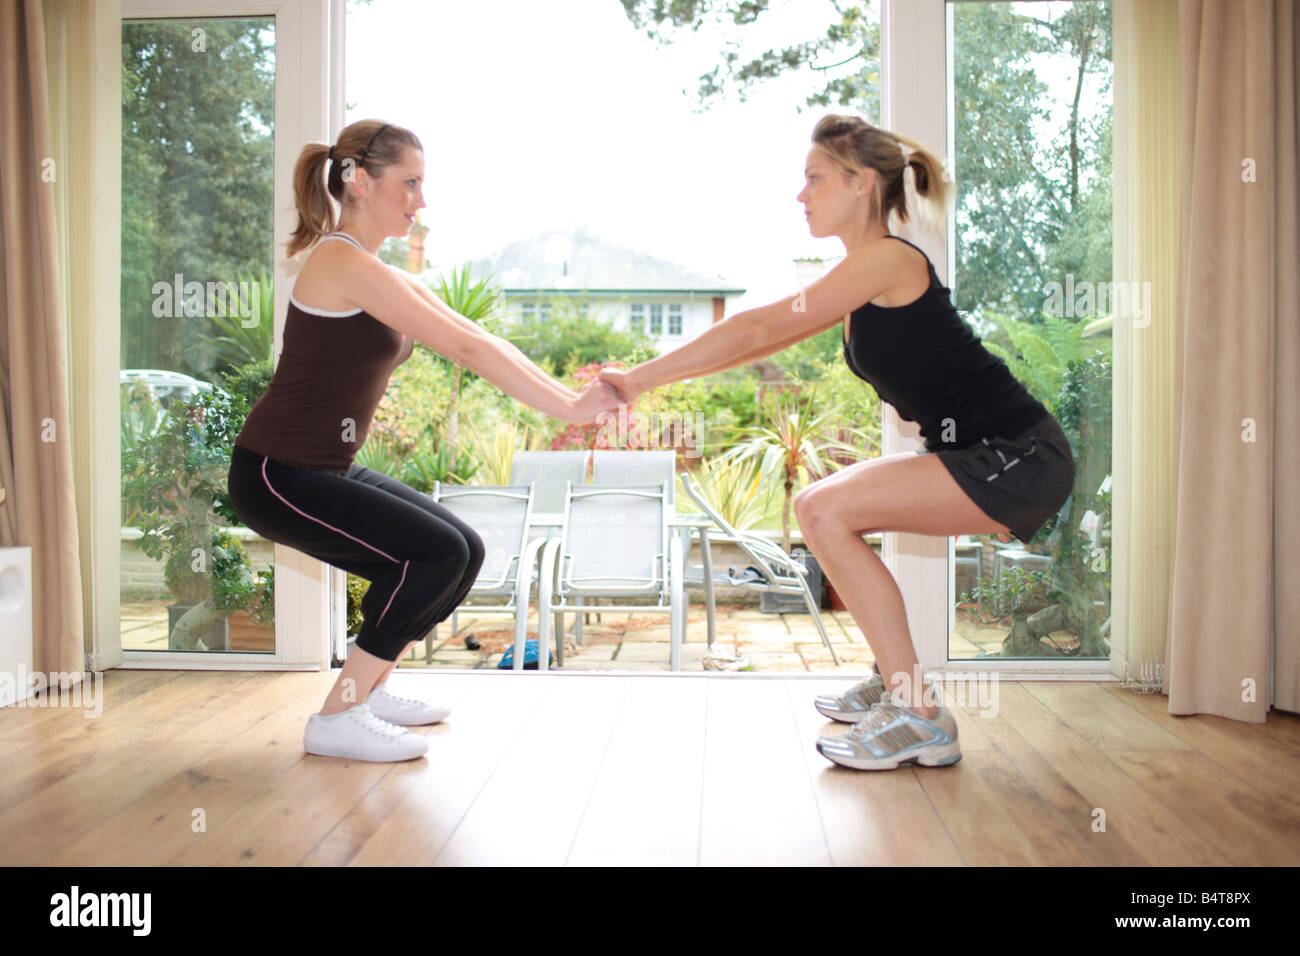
(750, 335)
(527, 366)
(385, 294)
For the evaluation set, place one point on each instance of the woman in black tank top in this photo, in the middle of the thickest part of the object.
(994, 461)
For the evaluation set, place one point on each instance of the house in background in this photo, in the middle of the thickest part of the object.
(630, 288)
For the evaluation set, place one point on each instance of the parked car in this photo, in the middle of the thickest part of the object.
(146, 394)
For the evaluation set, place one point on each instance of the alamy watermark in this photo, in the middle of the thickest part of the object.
(180, 299)
(55, 689)
(655, 429)
(975, 689)
(1086, 299)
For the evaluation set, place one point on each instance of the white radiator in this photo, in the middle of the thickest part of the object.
(15, 625)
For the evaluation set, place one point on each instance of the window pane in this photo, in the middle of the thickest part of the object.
(197, 325)
(1032, 106)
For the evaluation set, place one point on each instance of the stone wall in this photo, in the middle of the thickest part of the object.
(142, 576)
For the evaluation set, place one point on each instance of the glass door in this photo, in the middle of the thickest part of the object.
(209, 135)
(1022, 110)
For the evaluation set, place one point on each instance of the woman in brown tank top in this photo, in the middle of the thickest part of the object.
(351, 320)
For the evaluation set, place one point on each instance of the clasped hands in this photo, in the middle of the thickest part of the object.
(606, 393)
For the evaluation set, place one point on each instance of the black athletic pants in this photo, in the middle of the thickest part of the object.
(421, 559)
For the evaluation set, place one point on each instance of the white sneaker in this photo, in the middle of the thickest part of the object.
(386, 705)
(358, 734)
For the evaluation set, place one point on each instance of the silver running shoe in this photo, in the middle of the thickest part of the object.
(853, 704)
(891, 734)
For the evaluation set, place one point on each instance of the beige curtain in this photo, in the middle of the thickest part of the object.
(1146, 230)
(35, 432)
(1235, 596)
(83, 46)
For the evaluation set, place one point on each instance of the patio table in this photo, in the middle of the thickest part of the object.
(686, 526)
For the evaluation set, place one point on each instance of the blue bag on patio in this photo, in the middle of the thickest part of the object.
(530, 657)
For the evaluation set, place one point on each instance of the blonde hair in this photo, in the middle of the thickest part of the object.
(372, 144)
(855, 145)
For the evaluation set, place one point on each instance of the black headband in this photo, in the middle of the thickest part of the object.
(366, 152)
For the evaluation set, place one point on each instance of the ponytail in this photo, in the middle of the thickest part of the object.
(856, 145)
(315, 211)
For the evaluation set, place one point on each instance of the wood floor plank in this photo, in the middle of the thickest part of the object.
(31, 722)
(219, 718)
(408, 815)
(45, 822)
(644, 808)
(758, 805)
(1099, 718)
(1282, 727)
(70, 743)
(530, 808)
(1077, 779)
(429, 799)
(1260, 760)
(604, 770)
(160, 825)
(281, 825)
(1241, 823)
(285, 824)
(996, 816)
(870, 819)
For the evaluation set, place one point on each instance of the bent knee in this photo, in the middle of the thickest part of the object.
(815, 509)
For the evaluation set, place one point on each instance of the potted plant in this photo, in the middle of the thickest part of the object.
(174, 486)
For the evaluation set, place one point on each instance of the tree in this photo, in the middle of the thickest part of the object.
(197, 166)
(567, 338)
(1024, 212)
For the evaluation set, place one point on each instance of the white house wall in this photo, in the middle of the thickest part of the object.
(697, 313)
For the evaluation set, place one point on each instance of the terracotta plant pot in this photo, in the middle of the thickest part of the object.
(837, 603)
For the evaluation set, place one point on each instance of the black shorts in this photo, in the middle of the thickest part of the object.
(1021, 481)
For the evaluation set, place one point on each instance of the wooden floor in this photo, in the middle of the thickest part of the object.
(592, 770)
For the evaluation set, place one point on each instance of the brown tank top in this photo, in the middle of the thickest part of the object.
(333, 370)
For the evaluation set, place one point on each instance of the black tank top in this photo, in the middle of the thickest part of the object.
(333, 370)
(923, 359)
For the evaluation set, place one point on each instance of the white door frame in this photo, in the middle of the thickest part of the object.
(308, 107)
(914, 101)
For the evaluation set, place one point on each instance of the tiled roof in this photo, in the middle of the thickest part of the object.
(576, 260)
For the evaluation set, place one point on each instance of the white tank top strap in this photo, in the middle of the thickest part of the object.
(342, 235)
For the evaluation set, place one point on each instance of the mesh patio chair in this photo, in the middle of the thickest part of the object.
(625, 469)
(614, 543)
(547, 472)
(777, 572)
(501, 516)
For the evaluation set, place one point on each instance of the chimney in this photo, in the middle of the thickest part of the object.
(808, 271)
(415, 247)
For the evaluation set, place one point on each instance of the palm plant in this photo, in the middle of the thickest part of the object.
(793, 442)
(1038, 355)
(476, 301)
(237, 344)
(495, 456)
(735, 487)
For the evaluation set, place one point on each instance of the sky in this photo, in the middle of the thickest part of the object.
(543, 115)
(562, 115)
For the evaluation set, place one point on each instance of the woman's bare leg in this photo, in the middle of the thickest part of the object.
(362, 672)
(902, 492)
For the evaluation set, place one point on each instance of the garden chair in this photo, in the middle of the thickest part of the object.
(614, 543)
(778, 572)
(623, 469)
(501, 515)
(547, 472)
